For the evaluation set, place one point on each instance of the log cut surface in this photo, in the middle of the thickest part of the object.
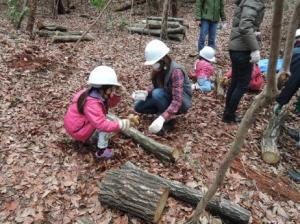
(135, 194)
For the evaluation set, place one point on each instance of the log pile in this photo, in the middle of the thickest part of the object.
(59, 34)
(152, 26)
(132, 177)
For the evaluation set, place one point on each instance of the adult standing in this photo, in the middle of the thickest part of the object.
(244, 52)
(171, 91)
(208, 13)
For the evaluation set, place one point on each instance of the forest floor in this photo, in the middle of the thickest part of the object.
(45, 177)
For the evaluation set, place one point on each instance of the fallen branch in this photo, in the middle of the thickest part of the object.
(133, 193)
(217, 206)
(161, 151)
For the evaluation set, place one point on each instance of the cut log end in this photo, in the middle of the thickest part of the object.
(271, 156)
(161, 205)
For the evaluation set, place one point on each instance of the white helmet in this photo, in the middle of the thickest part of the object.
(103, 75)
(154, 51)
(208, 53)
(297, 33)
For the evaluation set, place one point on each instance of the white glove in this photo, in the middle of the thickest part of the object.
(255, 56)
(139, 95)
(224, 25)
(157, 125)
(124, 124)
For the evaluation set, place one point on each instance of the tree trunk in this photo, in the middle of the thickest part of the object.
(134, 194)
(219, 88)
(164, 23)
(24, 11)
(217, 206)
(270, 153)
(260, 102)
(174, 7)
(161, 151)
(31, 15)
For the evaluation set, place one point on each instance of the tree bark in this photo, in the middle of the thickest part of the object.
(46, 33)
(270, 153)
(174, 7)
(24, 11)
(31, 15)
(51, 27)
(70, 38)
(219, 88)
(217, 206)
(161, 151)
(134, 194)
(261, 101)
(164, 22)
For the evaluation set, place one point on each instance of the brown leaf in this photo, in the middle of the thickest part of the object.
(11, 206)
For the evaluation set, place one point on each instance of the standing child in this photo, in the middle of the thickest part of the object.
(204, 69)
(87, 113)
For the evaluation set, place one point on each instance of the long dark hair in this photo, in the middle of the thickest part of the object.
(82, 98)
(157, 77)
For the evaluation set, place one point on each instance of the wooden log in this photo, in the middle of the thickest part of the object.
(47, 33)
(161, 151)
(127, 5)
(70, 38)
(144, 30)
(269, 151)
(51, 27)
(134, 194)
(217, 206)
(156, 24)
(174, 19)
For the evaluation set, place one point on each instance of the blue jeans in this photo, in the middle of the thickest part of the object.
(205, 85)
(156, 102)
(210, 28)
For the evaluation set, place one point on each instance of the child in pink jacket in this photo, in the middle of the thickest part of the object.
(204, 70)
(87, 112)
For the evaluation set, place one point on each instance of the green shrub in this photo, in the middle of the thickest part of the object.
(98, 3)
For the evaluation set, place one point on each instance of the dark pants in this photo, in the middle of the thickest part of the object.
(157, 102)
(292, 84)
(241, 76)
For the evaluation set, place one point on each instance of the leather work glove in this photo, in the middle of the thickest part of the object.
(157, 125)
(124, 124)
(255, 56)
(139, 95)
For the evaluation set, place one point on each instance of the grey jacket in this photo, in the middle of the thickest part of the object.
(247, 18)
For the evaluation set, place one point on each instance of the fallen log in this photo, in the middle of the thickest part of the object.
(134, 194)
(70, 38)
(217, 206)
(47, 33)
(128, 4)
(51, 27)
(144, 30)
(156, 24)
(161, 151)
(174, 19)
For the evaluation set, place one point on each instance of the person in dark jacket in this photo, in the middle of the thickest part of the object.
(208, 13)
(244, 52)
(293, 82)
(171, 92)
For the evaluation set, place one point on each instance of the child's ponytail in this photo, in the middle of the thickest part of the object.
(82, 99)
